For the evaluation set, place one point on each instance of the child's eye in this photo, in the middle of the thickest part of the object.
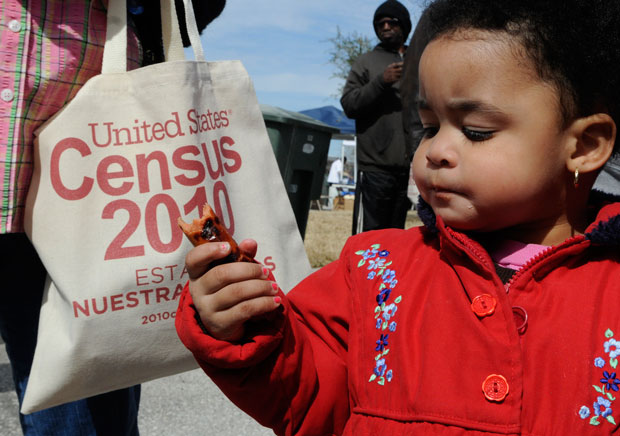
(477, 135)
(429, 132)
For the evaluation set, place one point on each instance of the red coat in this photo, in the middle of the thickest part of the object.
(384, 341)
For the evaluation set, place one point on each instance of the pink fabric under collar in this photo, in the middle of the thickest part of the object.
(514, 254)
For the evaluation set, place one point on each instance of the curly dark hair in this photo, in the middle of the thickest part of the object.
(573, 44)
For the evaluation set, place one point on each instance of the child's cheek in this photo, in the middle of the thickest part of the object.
(419, 171)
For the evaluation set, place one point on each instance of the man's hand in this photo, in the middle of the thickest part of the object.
(393, 73)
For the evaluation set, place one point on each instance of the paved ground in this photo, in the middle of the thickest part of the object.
(187, 404)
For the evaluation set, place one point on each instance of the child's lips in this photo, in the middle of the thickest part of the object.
(440, 192)
(438, 188)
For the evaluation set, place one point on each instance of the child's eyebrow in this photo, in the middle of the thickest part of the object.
(463, 105)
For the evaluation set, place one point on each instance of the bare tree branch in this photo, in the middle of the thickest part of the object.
(345, 49)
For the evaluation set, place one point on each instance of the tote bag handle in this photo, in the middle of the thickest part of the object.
(115, 49)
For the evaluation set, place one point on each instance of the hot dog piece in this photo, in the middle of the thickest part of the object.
(208, 228)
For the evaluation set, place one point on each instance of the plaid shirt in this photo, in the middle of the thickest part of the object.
(48, 50)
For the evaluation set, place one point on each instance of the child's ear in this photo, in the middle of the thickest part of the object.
(592, 142)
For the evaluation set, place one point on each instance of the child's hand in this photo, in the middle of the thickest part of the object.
(228, 295)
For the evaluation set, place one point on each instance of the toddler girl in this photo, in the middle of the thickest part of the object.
(501, 315)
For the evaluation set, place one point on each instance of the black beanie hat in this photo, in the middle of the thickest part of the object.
(394, 9)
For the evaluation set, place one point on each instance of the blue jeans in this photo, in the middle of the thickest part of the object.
(21, 289)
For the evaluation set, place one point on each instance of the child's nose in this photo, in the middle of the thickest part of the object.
(441, 152)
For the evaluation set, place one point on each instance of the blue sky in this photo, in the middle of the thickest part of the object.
(283, 44)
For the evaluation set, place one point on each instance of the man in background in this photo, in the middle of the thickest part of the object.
(371, 96)
(335, 176)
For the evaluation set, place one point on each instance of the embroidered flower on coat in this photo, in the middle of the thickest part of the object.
(602, 407)
(382, 343)
(384, 294)
(389, 278)
(389, 311)
(615, 352)
(380, 367)
(371, 253)
(378, 263)
(385, 310)
(608, 383)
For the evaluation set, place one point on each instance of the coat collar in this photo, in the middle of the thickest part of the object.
(605, 230)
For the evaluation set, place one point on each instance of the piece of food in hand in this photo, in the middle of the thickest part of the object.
(209, 228)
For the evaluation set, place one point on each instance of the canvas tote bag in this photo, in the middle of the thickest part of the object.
(115, 168)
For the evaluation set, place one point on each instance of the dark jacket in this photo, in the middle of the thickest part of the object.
(410, 82)
(377, 110)
(147, 24)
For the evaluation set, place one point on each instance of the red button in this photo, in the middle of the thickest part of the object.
(483, 305)
(495, 388)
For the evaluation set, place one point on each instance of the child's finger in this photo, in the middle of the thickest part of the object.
(237, 293)
(249, 309)
(235, 274)
(229, 324)
(249, 247)
(198, 258)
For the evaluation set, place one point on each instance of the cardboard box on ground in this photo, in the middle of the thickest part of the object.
(344, 202)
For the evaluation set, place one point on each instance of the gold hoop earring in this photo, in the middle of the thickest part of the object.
(576, 179)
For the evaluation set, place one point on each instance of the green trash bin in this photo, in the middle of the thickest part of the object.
(300, 144)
